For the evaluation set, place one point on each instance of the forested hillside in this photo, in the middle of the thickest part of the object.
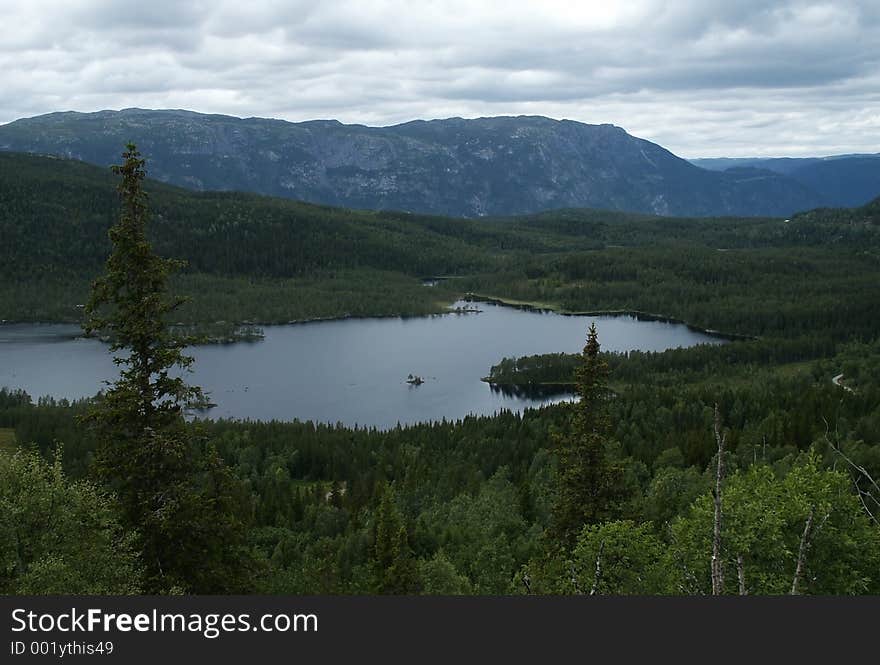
(474, 498)
(482, 505)
(273, 260)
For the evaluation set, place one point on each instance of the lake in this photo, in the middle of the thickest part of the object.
(351, 371)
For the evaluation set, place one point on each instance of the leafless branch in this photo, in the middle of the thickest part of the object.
(862, 472)
(862, 494)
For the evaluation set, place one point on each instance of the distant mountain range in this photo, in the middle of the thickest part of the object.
(840, 180)
(466, 168)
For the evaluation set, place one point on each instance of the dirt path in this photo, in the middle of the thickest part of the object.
(837, 382)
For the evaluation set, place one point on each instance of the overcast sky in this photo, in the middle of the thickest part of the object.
(700, 77)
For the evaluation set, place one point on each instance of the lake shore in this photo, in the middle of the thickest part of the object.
(443, 307)
(634, 313)
(353, 371)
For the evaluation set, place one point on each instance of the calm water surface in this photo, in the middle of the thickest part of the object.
(350, 371)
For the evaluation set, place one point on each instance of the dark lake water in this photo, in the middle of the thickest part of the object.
(350, 371)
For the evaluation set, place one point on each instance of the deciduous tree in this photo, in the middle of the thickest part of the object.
(60, 536)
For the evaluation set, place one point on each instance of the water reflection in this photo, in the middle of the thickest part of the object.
(532, 391)
(351, 371)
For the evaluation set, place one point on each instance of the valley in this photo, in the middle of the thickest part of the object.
(469, 489)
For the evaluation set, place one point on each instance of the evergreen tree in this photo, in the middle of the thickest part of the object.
(130, 303)
(185, 505)
(394, 567)
(589, 485)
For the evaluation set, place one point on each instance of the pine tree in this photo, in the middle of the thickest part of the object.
(392, 561)
(588, 487)
(174, 490)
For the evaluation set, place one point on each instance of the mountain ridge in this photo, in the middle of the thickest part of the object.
(491, 166)
(841, 180)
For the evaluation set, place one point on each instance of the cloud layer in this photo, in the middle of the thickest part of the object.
(700, 77)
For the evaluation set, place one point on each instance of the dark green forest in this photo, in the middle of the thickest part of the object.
(252, 258)
(486, 505)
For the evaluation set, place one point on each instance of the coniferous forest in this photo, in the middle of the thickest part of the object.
(745, 468)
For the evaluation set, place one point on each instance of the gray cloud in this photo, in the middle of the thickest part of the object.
(701, 77)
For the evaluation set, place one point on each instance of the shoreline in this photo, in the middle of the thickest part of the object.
(634, 313)
(444, 309)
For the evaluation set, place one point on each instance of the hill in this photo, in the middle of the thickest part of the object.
(839, 180)
(456, 167)
(255, 258)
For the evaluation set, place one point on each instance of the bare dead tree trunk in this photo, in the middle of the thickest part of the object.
(741, 575)
(717, 565)
(598, 575)
(527, 582)
(802, 554)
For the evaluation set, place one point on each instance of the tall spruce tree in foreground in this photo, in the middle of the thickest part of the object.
(589, 488)
(174, 490)
(129, 303)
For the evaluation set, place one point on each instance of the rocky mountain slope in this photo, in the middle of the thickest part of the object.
(469, 168)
